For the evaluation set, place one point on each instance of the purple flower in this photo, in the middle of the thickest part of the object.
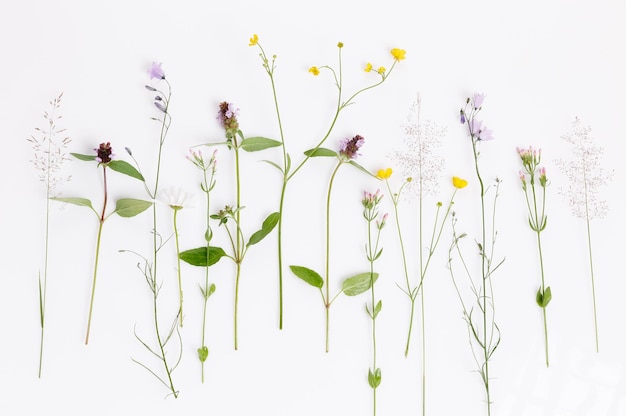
(227, 115)
(478, 130)
(349, 148)
(104, 152)
(477, 100)
(462, 117)
(156, 72)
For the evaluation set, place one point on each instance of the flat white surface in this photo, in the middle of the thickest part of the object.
(541, 64)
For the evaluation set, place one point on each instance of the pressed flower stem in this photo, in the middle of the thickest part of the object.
(207, 188)
(593, 285)
(43, 289)
(327, 300)
(180, 282)
(538, 225)
(158, 336)
(95, 267)
(485, 368)
(238, 242)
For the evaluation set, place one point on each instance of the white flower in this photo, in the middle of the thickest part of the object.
(175, 198)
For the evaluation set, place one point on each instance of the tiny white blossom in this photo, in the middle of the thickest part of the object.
(175, 198)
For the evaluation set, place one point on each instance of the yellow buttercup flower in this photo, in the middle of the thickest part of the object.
(314, 70)
(384, 173)
(368, 67)
(458, 182)
(398, 54)
(340, 45)
(254, 40)
(381, 70)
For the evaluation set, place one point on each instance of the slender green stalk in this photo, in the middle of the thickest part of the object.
(593, 284)
(95, 267)
(180, 282)
(43, 288)
(239, 240)
(327, 300)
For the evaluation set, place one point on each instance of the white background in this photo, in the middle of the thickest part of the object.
(541, 64)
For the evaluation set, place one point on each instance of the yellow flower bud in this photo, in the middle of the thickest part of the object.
(368, 67)
(398, 54)
(314, 70)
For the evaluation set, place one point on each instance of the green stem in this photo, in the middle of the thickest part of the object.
(485, 276)
(158, 336)
(206, 270)
(180, 282)
(239, 242)
(280, 249)
(593, 284)
(43, 288)
(327, 266)
(423, 355)
(95, 267)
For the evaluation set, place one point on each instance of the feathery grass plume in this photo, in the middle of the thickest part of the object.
(421, 164)
(285, 166)
(484, 333)
(49, 153)
(537, 220)
(587, 176)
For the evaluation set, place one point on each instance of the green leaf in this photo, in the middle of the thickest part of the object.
(288, 164)
(274, 164)
(320, 152)
(254, 144)
(358, 284)
(267, 227)
(87, 158)
(374, 378)
(543, 299)
(76, 201)
(128, 207)
(125, 168)
(211, 290)
(203, 353)
(308, 275)
(356, 165)
(378, 308)
(198, 256)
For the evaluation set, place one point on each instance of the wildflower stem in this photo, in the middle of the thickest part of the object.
(485, 277)
(207, 189)
(180, 282)
(43, 287)
(239, 241)
(539, 220)
(593, 285)
(95, 267)
(327, 266)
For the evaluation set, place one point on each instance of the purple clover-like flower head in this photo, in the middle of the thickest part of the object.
(155, 71)
(349, 148)
(227, 116)
(104, 152)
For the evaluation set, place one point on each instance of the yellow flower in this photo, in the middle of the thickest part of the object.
(340, 45)
(384, 173)
(314, 70)
(458, 182)
(368, 67)
(254, 40)
(381, 70)
(398, 54)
